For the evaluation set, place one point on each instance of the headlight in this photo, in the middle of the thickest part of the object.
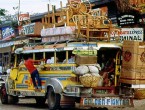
(72, 89)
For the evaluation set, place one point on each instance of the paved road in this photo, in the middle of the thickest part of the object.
(24, 104)
(29, 104)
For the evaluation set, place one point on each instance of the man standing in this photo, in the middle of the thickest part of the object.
(29, 63)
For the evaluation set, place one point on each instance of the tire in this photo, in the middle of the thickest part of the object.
(40, 100)
(4, 95)
(13, 99)
(53, 99)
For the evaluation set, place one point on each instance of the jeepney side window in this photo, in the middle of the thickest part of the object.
(38, 56)
(61, 56)
(49, 56)
(70, 58)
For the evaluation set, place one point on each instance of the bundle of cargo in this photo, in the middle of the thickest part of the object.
(57, 34)
(133, 54)
(58, 31)
(86, 59)
(89, 80)
(89, 75)
(133, 63)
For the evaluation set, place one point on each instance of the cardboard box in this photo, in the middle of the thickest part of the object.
(131, 81)
(80, 59)
(133, 54)
(132, 73)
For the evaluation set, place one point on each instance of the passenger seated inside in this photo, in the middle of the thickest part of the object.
(71, 59)
(51, 60)
(108, 72)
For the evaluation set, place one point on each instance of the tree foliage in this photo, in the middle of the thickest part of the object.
(2, 12)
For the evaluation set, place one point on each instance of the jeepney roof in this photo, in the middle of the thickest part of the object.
(72, 46)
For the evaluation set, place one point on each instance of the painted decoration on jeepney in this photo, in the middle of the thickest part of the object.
(127, 55)
(142, 57)
(7, 33)
(134, 34)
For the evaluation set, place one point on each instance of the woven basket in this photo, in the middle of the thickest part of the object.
(90, 80)
(139, 94)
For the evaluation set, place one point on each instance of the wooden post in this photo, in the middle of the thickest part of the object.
(55, 57)
(67, 56)
(48, 15)
(61, 5)
(52, 14)
(88, 31)
(67, 18)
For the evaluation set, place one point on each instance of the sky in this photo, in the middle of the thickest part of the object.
(31, 6)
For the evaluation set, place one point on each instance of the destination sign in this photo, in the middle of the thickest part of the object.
(114, 101)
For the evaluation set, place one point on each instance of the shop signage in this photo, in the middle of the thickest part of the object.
(126, 19)
(129, 34)
(6, 44)
(33, 29)
(24, 17)
(7, 33)
(28, 29)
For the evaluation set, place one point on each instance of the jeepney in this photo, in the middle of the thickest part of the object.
(60, 85)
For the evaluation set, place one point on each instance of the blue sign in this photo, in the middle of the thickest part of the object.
(7, 32)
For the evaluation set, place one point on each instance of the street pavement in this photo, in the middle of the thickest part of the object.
(29, 104)
(24, 104)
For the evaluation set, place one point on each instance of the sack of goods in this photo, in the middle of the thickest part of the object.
(89, 75)
(83, 69)
(89, 80)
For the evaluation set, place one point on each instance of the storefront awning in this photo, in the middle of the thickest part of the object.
(5, 49)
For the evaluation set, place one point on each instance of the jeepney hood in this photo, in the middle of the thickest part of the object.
(72, 80)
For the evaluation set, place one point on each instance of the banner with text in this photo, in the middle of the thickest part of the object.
(128, 34)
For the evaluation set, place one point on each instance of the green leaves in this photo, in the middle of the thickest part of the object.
(2, 12)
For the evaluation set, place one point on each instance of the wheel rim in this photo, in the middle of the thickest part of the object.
(52, 99)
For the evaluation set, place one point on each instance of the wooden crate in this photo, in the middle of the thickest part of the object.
(133, 73)
(133, 54)
(80, 59)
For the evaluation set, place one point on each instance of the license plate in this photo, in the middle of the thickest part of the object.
(113, 101)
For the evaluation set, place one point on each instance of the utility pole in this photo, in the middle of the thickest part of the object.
(19, 12)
